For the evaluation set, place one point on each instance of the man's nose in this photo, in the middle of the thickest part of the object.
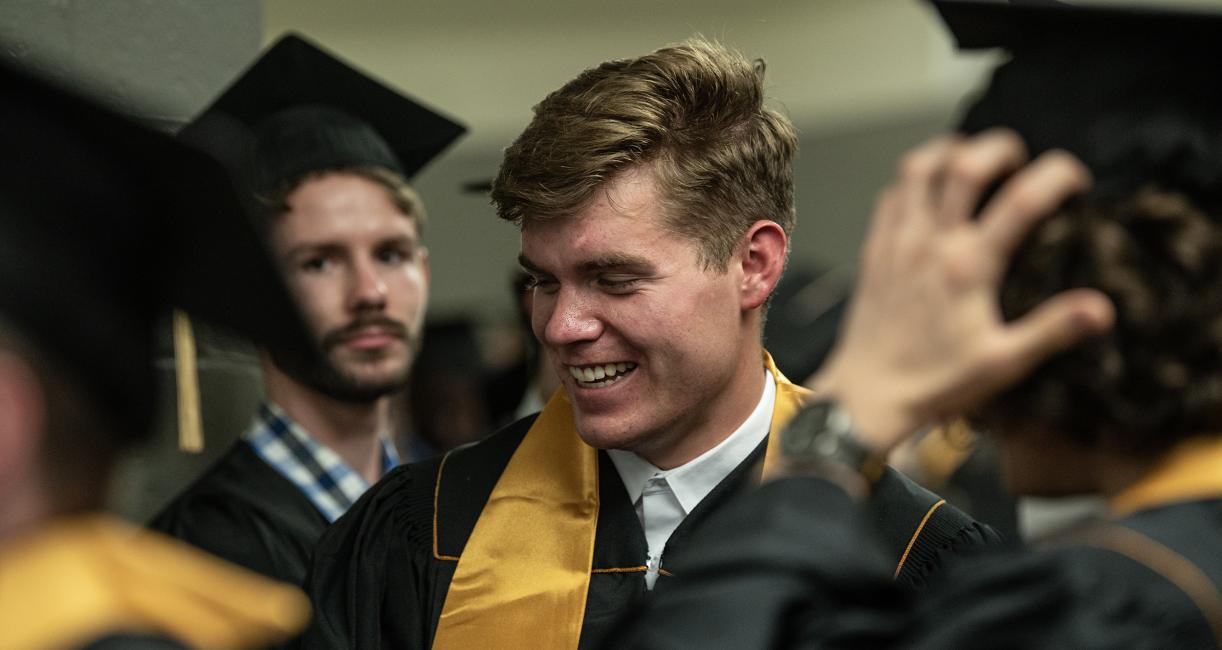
(368, 287)
(568, 317)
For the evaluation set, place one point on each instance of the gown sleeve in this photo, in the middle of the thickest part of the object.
(370, 582)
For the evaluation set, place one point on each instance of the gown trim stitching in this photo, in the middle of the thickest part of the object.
(436, 498)
(916, 534)
(632, 569)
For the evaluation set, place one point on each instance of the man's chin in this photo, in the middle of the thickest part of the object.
(346, 386)
(368, 388)
(600, 433)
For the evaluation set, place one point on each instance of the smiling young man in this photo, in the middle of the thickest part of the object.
(326, 152)
(655, 200)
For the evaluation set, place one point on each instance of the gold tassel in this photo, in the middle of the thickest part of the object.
(190, 422)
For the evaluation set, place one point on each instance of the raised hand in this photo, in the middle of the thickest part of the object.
(924, 338)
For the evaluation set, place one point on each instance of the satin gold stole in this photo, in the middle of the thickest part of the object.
(524, 574)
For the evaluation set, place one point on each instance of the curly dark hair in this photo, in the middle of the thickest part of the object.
(1156, 377)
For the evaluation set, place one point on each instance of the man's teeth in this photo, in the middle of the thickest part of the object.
(608, 371)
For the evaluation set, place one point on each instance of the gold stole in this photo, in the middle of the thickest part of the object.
(1192, 470)
(79, 578)
(524, 574)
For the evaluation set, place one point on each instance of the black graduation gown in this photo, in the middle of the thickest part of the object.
(381, 573)
(753, 582)
(246, 512)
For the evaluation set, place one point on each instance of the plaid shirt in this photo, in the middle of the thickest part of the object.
(326, 480)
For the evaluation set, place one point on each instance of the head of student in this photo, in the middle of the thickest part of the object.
(89, 263)
(326, 153)
(1135, 97)
(655, 200)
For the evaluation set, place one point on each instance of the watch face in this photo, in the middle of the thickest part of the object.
(800, 438)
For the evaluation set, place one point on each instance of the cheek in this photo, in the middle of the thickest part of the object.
(315, 296)
(411, 277)
(704, 314)
(410, 282)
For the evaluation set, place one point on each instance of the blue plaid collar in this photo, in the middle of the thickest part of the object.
(325, 479)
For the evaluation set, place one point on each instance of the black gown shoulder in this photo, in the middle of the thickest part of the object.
(756, 581)
(920, 533)
(243, 510)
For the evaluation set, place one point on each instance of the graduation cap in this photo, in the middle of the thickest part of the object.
(1134, 92)
(299, 109)
(104, 226)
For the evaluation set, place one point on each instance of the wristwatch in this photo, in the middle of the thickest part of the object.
(821, 435)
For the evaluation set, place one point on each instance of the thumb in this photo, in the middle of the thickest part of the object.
(1057, 324)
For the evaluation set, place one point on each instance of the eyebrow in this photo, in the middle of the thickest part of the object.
(528, 265)
(601, 264)
(312, 248)
(331, 246)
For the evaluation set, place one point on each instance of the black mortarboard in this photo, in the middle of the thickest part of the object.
(1133, 91)
(299, 109)
(105, 225)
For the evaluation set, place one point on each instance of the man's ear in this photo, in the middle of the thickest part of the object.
(22, 420)
(763, 251)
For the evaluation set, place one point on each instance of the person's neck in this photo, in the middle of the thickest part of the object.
(1117, 472)
(353, 430)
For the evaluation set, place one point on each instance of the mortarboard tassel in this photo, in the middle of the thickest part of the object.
(190, 423)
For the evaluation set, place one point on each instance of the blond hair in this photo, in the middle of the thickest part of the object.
(692, 113)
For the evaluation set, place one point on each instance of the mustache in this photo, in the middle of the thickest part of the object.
(388, 325)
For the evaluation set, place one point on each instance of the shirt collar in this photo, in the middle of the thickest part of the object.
(693, 480)
(321, 475)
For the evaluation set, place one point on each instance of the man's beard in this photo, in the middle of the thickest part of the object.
(326, 377)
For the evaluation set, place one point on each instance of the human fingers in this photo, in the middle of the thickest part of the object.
(913, 226)
(905, 198)
(877, 247)
(919, 180)
(1057, 324)
(973, 165)
(1029, 196)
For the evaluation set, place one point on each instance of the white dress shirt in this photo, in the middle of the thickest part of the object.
(664, 497)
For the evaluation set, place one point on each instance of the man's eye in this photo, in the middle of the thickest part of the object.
(315, 264)
(617, 284)
(541, 283)
(394, 256)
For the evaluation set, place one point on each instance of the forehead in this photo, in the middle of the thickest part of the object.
(343, 204)
(625, 216)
